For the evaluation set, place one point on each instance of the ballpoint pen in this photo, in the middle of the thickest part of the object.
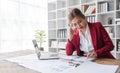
(74, 64)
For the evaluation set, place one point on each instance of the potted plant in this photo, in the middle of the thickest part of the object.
(40, 38)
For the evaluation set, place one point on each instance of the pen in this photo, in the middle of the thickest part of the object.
(74, 64)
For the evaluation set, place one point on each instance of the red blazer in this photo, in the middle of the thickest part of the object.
(101, 41)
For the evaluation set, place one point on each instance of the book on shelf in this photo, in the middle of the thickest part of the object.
(91, 18)
(93, 10)
(54, 44)
(62, 33)
(84, 8)
(90, 10)
(103, 7)
(118, 44)
(118, 22)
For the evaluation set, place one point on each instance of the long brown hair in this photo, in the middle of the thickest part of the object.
(75, 13)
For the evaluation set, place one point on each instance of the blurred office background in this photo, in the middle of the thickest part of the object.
(19, 20)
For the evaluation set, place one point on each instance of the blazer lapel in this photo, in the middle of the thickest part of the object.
(93, 35)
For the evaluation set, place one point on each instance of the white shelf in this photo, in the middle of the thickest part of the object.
(51, 15)
(52, 20)
(49, 1)
(52, 11)
(104, 0)
(58, 18)
(51, 24)
(117, 38)
(63, 38)
(52, 29)
(61, 9)
(89, 3)
(117, 24)
(76, 6)
(52, 38)
(62, 23)
(61, 4)
(62, 18)
(62, 28)
(113, 38)
(51, 6)
(61, 14)
(107, 25)
(73, 2)
(118, 52)
(53, 47)
(117, 10)
(91, 14)
(108, 12)
(118, 19)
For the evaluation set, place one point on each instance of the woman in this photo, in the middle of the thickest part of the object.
(87, 39)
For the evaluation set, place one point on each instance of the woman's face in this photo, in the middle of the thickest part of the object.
(79, 23)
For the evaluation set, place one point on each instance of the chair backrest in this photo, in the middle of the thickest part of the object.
(35, 43)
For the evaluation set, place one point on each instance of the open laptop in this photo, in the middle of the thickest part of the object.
(44, 55)
(49, 56)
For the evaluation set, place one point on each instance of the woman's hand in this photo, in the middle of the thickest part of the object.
(91, 55)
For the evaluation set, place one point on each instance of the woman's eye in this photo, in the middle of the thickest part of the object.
(75, 24)
(79, 21)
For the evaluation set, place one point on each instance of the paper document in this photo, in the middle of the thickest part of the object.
(43, 66)
(84, 59)
(76, 58)
(48, 56)
(65, 57)
(59, 66)
(91, 67)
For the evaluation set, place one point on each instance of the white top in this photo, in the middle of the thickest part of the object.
(86, 44)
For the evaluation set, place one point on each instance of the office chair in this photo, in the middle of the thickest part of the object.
(37, 49)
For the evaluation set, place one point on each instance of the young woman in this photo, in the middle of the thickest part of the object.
(87, 39)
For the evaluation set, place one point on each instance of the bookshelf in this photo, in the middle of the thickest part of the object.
(105, 11)
(117, 21)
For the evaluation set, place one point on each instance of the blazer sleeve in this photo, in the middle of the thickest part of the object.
(108, 45)
(70, 48)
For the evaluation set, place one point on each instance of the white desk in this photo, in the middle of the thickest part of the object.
(10, 67)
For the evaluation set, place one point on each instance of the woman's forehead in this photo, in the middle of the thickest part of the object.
(76, 19)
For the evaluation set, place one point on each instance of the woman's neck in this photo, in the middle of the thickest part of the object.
(83, 30)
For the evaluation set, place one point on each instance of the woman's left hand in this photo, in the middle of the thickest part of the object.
(91, 55)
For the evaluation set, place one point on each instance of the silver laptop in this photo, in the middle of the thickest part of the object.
(48, 56)
(44, 55)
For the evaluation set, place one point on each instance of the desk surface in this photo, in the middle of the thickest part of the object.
(10, 67)
(108, 61)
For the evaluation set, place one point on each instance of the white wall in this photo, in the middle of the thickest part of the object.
(19, 19)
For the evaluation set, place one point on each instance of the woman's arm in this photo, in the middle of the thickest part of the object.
(108, 45)
(70, 48)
